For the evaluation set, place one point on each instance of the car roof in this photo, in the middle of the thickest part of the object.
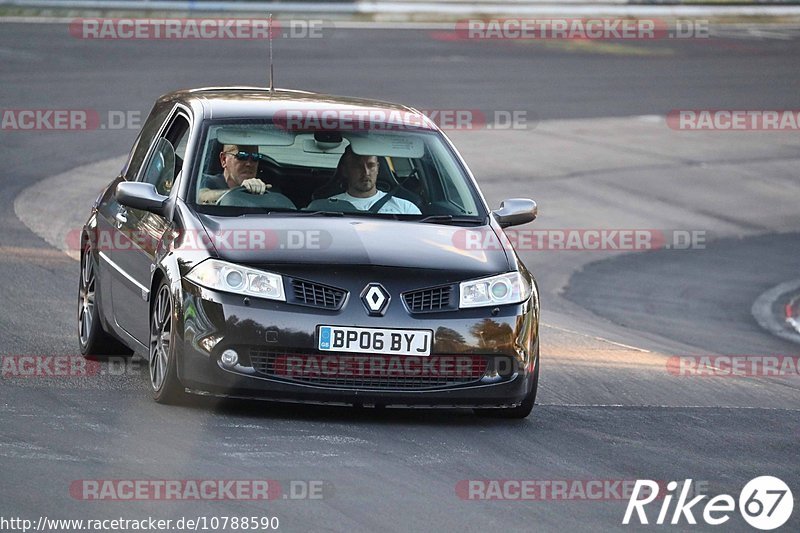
(261, 102)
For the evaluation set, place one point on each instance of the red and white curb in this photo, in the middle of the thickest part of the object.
(792, 312)
(786, 326)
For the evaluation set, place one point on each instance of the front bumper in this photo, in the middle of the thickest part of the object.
(503, 339)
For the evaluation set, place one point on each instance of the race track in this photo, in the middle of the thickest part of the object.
(597, 154)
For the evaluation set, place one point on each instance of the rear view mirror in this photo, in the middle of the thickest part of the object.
(333, 137)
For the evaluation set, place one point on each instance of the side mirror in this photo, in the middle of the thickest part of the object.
(140, 196)
(515, 211)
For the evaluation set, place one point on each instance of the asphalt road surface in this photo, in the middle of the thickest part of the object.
(596, 154)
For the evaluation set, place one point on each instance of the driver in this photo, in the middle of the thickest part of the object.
(239, 168)
(360, 173)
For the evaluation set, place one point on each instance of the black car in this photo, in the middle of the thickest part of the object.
(308, 286)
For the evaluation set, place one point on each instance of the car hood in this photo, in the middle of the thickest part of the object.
(266, 239)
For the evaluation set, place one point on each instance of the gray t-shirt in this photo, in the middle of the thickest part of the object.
(395, 205)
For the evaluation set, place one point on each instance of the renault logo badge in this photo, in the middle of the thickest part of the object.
(375, 299)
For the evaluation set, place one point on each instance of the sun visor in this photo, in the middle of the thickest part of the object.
(255, 136)
(387, 144)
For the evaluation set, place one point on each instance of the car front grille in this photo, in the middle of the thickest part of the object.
(317, 295)
(369, 371)
(427, 300)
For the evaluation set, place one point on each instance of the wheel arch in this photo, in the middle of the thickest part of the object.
(167, 270)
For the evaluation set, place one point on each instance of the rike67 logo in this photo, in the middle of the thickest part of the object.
(765, 503)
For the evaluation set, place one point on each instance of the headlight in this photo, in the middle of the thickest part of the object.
(511, 288)
(222, 276)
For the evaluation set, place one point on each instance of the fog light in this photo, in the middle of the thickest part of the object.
(229, 357)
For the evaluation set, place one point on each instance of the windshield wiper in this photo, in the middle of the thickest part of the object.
(314, 213)
(451, 218)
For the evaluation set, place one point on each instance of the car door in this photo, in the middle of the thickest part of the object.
(141, 231)
(107, 214)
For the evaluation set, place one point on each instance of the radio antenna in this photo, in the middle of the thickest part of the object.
(271, 82)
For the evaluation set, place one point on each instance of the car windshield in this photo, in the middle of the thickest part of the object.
(258, 166)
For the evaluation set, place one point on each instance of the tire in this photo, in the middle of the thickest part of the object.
(95, 342)
(162, 354)
(523, 409)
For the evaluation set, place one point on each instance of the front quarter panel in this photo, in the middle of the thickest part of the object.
(182, 247)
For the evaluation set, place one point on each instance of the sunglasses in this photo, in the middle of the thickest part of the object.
(243, 156)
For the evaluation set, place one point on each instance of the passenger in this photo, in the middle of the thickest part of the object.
(239, 168)
(360, 175)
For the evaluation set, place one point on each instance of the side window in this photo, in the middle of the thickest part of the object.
(160, 170)
(148, 133)
(167, 159)
(178, 134)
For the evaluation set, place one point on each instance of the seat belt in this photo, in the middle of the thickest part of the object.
(383, 201)
(389, 195)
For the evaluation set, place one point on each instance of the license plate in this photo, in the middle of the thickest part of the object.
(375, 341)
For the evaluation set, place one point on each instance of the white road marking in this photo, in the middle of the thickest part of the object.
(629, 347)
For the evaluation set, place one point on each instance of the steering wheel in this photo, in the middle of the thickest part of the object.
(239, 197)
(230, 192)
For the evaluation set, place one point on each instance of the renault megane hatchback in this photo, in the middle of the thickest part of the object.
(294, 246)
